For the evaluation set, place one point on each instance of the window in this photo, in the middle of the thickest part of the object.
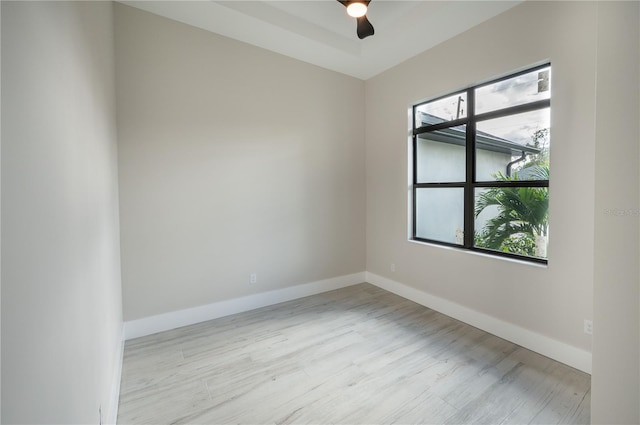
(481, 167)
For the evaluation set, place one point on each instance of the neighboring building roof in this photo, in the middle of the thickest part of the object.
(484, 141)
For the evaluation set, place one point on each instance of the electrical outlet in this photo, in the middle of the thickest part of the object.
(253, 278)
(588, 327)
(393, 267)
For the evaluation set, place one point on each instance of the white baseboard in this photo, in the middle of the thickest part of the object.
(190, 316)
(564, 353)
(111, 416)
(557, 350)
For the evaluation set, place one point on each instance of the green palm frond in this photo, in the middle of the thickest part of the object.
(521, 210)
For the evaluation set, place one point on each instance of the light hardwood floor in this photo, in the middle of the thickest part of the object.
(351, 356)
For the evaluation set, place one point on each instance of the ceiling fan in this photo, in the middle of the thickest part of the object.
(358, 10)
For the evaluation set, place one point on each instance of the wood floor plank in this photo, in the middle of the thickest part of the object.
(358, 355)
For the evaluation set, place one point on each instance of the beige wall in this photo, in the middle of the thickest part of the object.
(236, 160)
(61, 299)
(616, 379)
(594, 50)
(0, 221)
(553, 300)
(232, 160)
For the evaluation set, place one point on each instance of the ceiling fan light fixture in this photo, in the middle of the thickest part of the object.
(356, 9)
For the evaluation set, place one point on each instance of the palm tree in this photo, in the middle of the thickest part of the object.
(522, 214)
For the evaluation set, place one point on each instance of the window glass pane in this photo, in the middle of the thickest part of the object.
(525, 88)
(515, 147)
(440, 214)
(440, 155)
(513, 219)
(441, 110)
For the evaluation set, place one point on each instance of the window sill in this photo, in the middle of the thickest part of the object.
(481, 254)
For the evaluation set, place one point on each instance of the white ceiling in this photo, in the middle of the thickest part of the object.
(320, 32)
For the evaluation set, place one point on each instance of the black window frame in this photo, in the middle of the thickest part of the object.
(470, 184)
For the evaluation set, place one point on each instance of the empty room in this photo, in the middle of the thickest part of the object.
(324, 212)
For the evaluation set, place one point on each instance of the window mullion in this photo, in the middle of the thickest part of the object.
(470, 171)
(414, 147)
(439, 126)
(513, 110)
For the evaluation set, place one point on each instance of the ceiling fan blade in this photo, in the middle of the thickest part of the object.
(365, 29)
